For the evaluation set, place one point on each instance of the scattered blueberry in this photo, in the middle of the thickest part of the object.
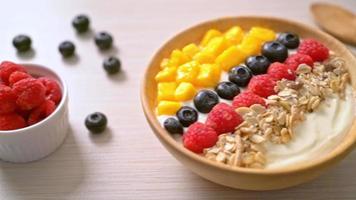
(22, 43)
(187, 115)
(290, 40)
(173, 126)
(227, 90)
(112, 65)
(205, 100)
(103, 40)
(240, 75)
(258, 64)
(66, 48)
(81, 23)
(96, 122)
(275, 51)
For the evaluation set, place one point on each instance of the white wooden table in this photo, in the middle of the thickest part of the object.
(128, 162)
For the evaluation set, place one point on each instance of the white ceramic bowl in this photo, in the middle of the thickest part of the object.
(39, 140)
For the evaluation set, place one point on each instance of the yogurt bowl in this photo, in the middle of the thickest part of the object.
(237, 177)
(38, 140)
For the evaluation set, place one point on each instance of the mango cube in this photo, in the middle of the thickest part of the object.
(187, 72)
(209, 75)
(166, 90)
(190, 50)
(234, 35)
(216, 46)
(250, 45)
(230, 57)
(165, 63)
(263, 34)
(178, 58)
(168, 107)
(166, 75)
(204, 57)
(210, 34)
(185, 91)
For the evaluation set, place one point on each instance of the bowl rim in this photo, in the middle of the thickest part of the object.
(59, 107)
(344, 146)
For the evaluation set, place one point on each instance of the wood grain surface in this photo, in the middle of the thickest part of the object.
(127, 161)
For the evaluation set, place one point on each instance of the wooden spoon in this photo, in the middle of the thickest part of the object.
(336, 20)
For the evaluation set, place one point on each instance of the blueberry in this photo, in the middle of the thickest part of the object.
(258, 64)
(290, 40)
(96, 122)
(66, 48)
(103, 40)
(173, 126)
(240, 75)
(227, 90)
(81, 23)
(275, 51)
(22, 43)
(205, 100)
(187, 115)
(112, 65)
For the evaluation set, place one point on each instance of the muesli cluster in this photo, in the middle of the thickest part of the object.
(244, 148)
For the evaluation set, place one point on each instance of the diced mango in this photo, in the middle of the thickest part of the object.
(204, 57)
(263, 34)
(166, 75)
(165, 63)
(230, 57)
(234, 35)
(190, 50)
(210, 34)
(178, 58)
(188, 72)
(168, 107)
(185, 91)
(166, 90)
(216, 46)
(209, 75)
(250, 45)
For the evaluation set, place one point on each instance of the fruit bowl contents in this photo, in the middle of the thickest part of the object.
(24, 98)
(255, 98)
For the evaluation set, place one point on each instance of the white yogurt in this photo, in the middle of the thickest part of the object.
(320, 133)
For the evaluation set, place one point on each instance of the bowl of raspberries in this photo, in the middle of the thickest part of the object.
(33, 112)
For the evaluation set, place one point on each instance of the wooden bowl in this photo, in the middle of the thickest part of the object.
(242, 178)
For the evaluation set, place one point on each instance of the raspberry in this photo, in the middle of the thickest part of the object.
(198, 137)
(262, 85)
(247, 99)
(41, 112)
(18, 76)
(293, 61)
(30, 93)
(223, 118)
(11, 121)
(279, 71)
(53, 91)
(7, 68)
(7, 100)
(316, 50)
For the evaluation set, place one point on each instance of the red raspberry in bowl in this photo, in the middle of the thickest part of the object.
(7, 100)
(7, 68)
(53, 91)
(30, 93)
(198, 137)
(223, 118)
(293, 61)
(262, 85)
(314, 49)
(11, 121)
(41, 112)
(247, 99)
(18, 76)
(279, 71)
